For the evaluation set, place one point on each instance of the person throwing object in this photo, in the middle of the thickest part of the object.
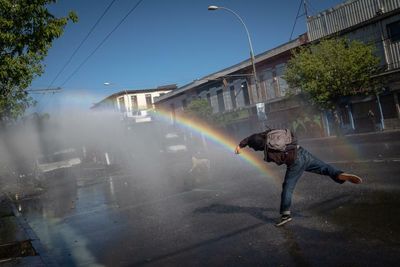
(280, 146)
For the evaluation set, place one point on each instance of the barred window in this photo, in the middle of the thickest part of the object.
(393, 30)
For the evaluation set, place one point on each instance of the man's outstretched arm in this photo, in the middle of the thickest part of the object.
(241, 145)
(237, 149)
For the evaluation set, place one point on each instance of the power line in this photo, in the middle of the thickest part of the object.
(82, 42)
(101, 43)
(75, 51)
(43, 93)
(44, 89)
(295, 20)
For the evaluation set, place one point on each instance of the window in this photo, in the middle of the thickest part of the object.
(184, 103)
(209, 98)
(121, 102)
(149, 102)
(221, 104)
(344, 115)
(393, 30)
(388, 106)
(233, 96)
(172, 108)
(269, 84)
(134, 102)
(282, 85)
(275, 83)
(262, 85)
(245, 91)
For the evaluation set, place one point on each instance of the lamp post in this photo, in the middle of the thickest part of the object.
(211, 8)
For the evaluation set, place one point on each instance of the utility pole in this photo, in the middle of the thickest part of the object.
(304, 3)
(305, 9)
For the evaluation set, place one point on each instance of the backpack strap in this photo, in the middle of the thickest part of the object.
(266, 144)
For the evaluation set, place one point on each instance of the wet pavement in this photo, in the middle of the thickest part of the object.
(123, 218)
(148, 210)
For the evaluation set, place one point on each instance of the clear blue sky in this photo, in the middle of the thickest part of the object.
(161, 42)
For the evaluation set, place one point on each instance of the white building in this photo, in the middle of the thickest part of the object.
(129, 101)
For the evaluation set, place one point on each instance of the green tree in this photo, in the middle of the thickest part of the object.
(331, 69)
(27, 30)
(200, 108)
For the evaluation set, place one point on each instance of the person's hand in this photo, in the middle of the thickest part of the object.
(237, 150)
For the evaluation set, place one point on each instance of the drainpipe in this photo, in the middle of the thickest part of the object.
(380, 112)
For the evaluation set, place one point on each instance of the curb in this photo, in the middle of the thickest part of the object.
(33, 238)
(389, 160)
(353, 135)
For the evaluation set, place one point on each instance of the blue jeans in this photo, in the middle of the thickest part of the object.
(305, 161)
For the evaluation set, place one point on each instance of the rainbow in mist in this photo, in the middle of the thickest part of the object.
(217, 137)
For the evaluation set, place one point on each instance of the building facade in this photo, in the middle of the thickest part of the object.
(232, 89)
(128, 102)
(374, 22)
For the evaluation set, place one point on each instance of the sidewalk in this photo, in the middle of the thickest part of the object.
(364, 147)
(19, 245)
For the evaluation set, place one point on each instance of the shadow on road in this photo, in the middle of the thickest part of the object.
(374, 216)
(294, 249)
(198, 245)
(225, 209)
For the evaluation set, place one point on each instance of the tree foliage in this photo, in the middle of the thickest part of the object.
(331, 69)
(27, 30)
(201, 109)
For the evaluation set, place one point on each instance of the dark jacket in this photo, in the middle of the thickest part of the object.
(257, 142)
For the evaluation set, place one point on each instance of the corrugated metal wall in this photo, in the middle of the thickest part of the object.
(394, 49)
(357, 11)
(346, 15)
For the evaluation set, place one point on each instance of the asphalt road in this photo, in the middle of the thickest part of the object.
(152, 219)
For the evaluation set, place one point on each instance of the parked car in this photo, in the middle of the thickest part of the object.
(174, 143)
(61, 159)
(139, 116)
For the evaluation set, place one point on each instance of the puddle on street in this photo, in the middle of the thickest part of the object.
(376, 216)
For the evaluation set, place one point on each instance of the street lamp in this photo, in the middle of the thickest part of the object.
(211, 8)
